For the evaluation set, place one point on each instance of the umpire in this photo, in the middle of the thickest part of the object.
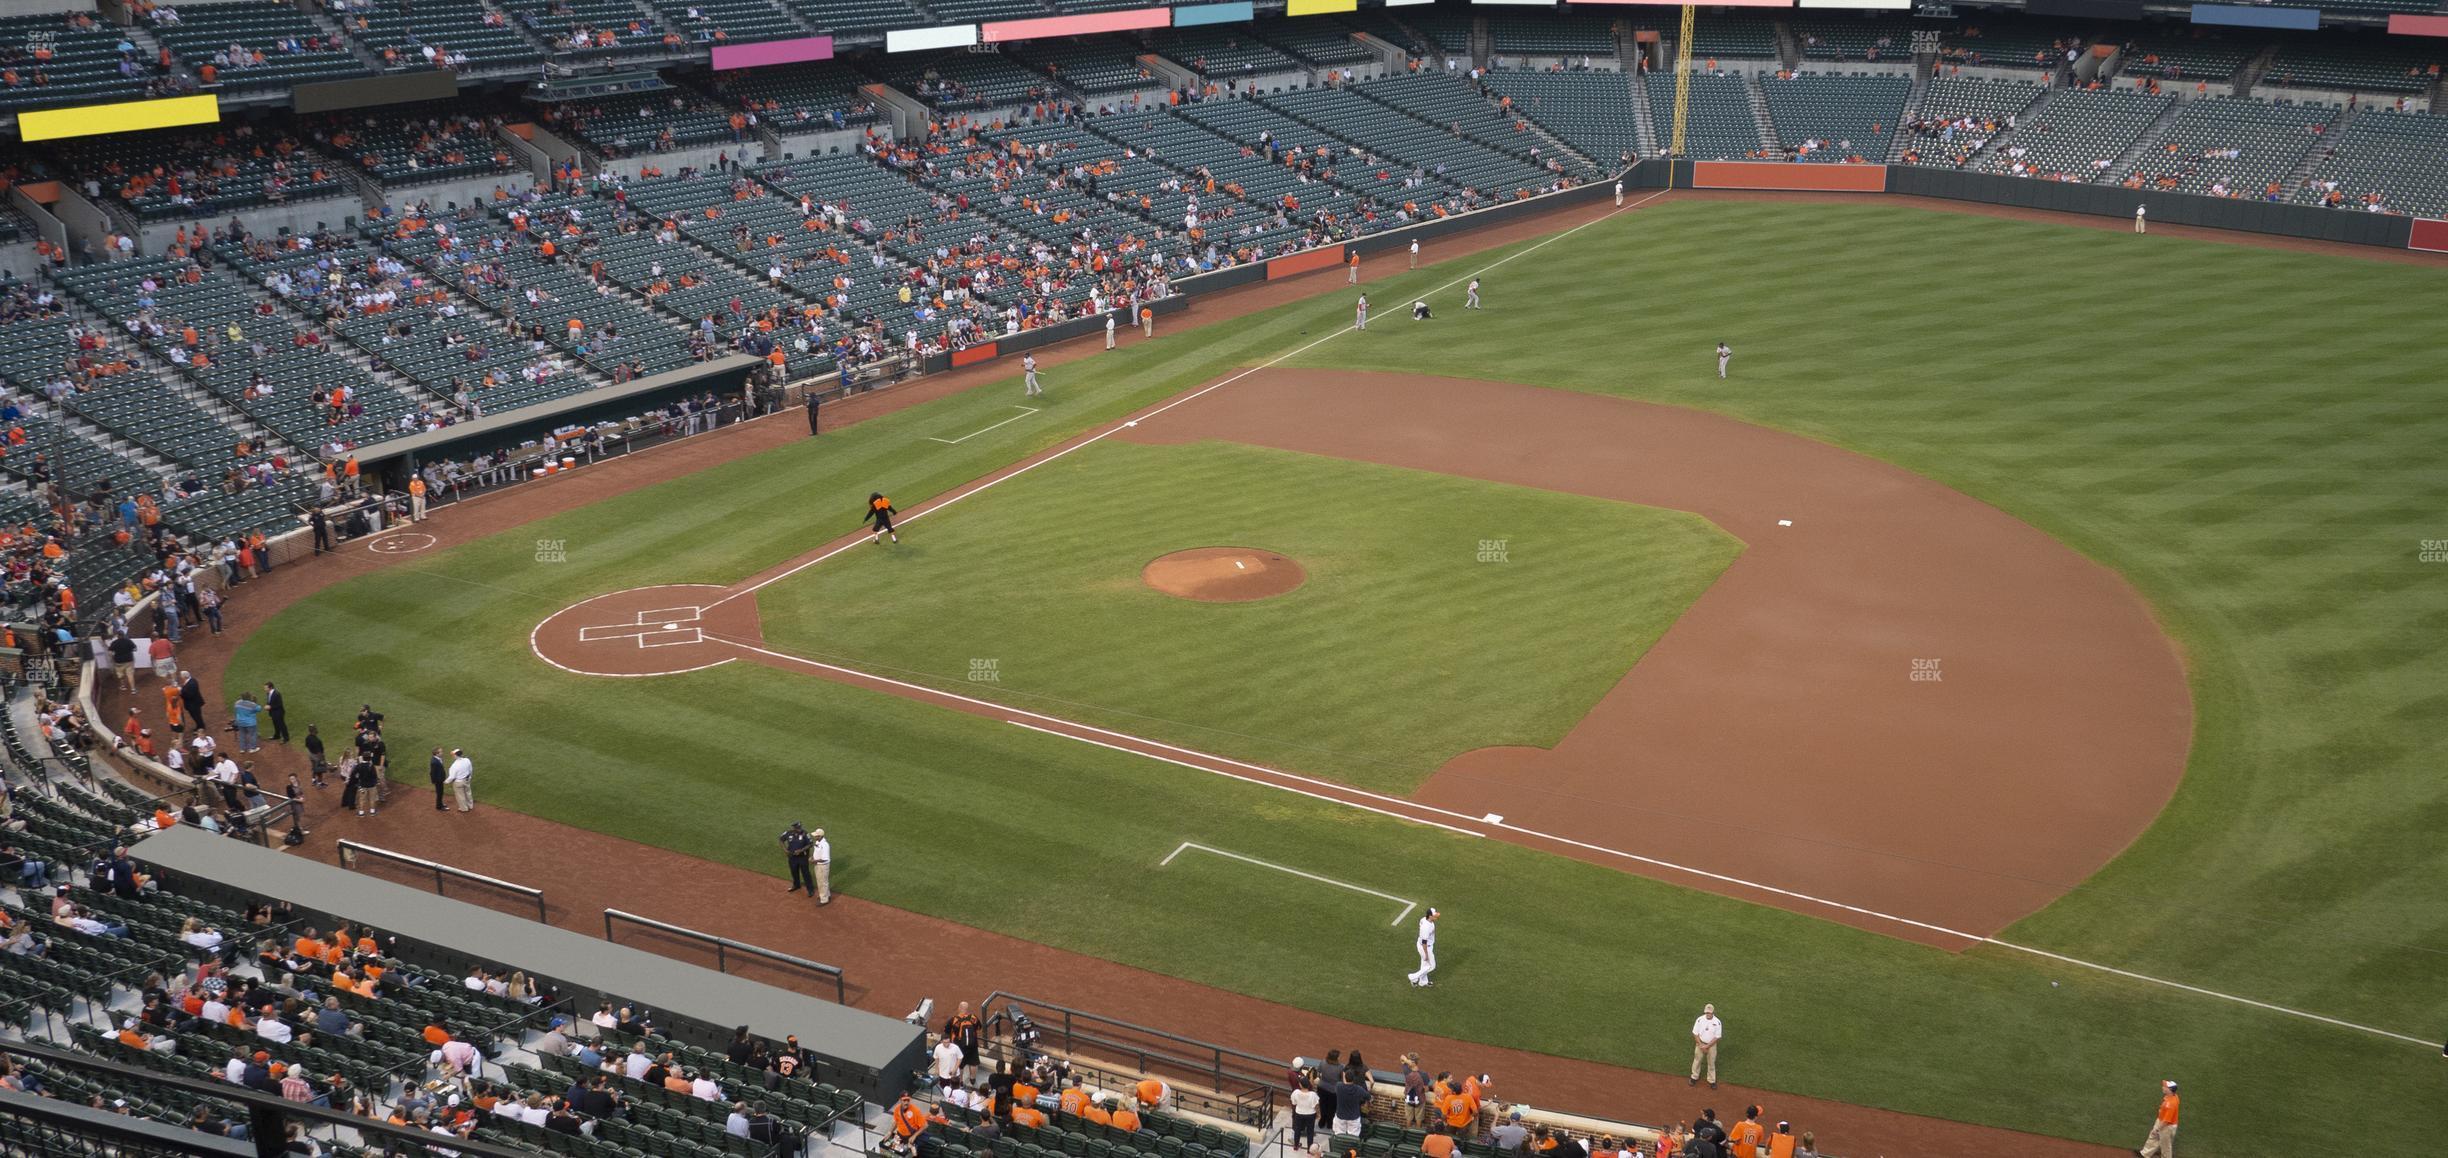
(800, 849)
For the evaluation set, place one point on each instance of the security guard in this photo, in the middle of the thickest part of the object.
(799, 848)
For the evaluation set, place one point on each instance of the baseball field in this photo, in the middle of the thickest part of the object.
(2010, 687)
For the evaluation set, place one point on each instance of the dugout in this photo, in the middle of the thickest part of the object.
(868, 1053)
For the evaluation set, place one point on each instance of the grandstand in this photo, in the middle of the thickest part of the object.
(1719, 124)
(69, 59)
(2198, 56)
(2076, 134)
(1865, 40)
(1835, 118)
(2386, 161)
(473, 291)
(2230, 148)
(1544, 35)
(251, 45)
(2353, 64)
(409, 34)
(1594, 112)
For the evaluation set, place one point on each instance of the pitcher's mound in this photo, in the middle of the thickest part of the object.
(1223, 574)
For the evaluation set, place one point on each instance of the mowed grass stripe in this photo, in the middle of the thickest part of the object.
(2297, 864)
(1404, 647)
(2159, 483)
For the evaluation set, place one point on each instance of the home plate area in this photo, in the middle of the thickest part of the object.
(649, 631)
(658, 627)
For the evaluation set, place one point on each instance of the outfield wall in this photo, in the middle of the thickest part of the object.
(2387, 231)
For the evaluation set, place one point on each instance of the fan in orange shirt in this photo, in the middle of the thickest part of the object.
(1073, 1100)
(1746, 1136)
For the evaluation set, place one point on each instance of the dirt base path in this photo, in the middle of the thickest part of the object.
(898, 956)
(1898, 700)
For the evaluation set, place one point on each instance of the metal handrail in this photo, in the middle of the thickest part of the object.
(341, 851)
(1253, 1086)
(723, 946)
(269, 1113)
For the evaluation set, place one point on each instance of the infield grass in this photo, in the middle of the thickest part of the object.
(1406, 646)
(2249, 435)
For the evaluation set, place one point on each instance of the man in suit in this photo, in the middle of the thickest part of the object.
(813, 427)
(191, 696)
(438, 772)
(279, 711)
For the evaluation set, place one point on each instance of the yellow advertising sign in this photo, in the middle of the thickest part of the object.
(126, 117)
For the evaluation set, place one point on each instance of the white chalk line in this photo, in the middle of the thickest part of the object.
(1790, 894)
(1194, 395)
(974, 433)
(1187, 845)
(1280, 776)
(1245, 779)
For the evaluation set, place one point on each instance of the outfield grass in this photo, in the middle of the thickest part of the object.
(1401, 650)
(2253, 453)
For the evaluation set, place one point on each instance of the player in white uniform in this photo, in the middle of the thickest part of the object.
(1427, 949)
(1619, 194)
(2139, 212)
(1109, 328)
(1361, 316)
(1028, 376)
(1725, 354)
(1470, 300)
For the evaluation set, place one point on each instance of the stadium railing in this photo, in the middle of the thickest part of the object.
(725, 946)
(1246, 1085)
(346, 852)
(68, 1127)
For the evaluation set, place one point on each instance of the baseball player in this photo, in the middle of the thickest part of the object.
(2140, 212)
(1415, 253)
(1470, 296)
(1725, 354)
(1427, 950)
(880, 512)
(1028, 376)
(1619, 194)
(1109, 328)
(1360, 321)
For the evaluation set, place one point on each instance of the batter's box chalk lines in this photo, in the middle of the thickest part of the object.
(1186, 846)
(1025, 411)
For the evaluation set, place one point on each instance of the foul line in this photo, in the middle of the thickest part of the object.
(974, 433)
(1973, 938)
(1238, 776)
(1280, 776)
(1118, 427)
(1407, 904)
(2196, 989)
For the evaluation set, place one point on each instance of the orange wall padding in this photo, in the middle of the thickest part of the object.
(1304, 262)
(1789, 175)
(974, 354)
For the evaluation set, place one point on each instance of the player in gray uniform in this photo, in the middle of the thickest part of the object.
(1470, 300)
(1725, 354)
(1028, 376)
(1360, 316)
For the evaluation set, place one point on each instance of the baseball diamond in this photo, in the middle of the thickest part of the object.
(1868, 586)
